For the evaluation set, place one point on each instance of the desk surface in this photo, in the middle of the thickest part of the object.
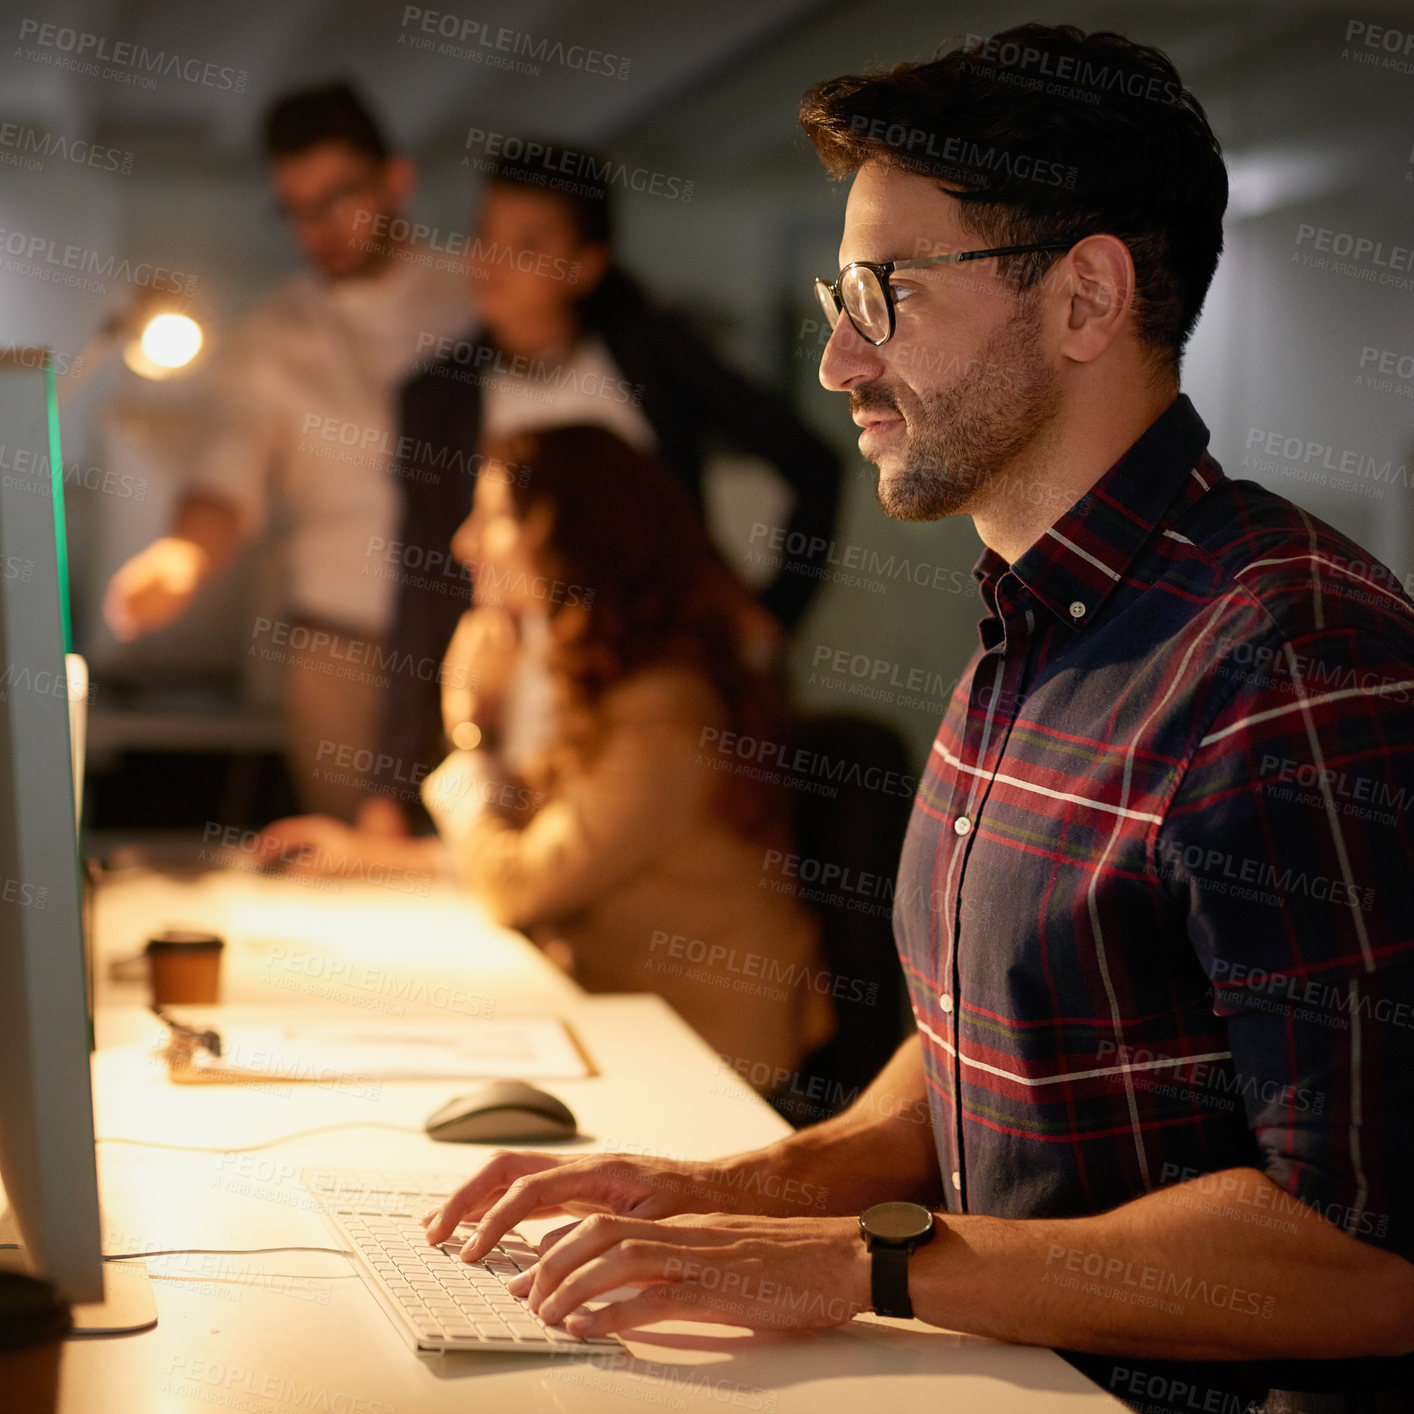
(368, 950)
(289, 1333)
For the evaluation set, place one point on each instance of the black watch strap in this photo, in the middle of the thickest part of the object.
(888, 1281)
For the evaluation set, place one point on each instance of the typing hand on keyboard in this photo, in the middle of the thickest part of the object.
(515, 1187)
(445, 1302)
(732, 1242)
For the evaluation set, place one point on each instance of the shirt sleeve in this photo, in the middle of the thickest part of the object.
(637, 797)
(247, 428)
(1287, 847)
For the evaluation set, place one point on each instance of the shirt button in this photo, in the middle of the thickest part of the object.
(945, 1001)
(957, 1179)
(962, 825)
(1077, 609)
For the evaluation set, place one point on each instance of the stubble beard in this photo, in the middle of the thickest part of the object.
(961, 438)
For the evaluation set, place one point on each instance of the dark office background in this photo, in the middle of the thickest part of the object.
(1317, 123)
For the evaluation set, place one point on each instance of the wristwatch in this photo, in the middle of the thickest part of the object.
(891, 1231)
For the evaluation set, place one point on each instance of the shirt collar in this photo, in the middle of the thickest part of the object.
(1080, 559)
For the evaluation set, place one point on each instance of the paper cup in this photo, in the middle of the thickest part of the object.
(184, 967)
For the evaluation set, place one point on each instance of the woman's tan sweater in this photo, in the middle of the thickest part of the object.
(630, 876)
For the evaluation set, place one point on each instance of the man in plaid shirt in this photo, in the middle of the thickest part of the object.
(1154, 907)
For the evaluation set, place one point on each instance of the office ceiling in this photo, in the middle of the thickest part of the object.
(717, 78)
(611, 64)
(657, 56)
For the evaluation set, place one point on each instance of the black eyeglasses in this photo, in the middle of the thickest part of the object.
(333, 203)
(862, 289)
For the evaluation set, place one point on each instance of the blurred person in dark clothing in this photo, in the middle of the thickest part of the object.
(565, 335)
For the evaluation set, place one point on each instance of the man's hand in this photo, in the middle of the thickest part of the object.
(514, 1187)
(154, 587)
(307, 844)
(319, 844)
(158, 584)
(762, 1273)
(378, 815)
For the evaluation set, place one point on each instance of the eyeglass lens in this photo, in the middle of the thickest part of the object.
(864, 301)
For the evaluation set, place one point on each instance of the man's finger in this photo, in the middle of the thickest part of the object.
(472, 1199)
(601, 1180)
(602, 1234)
(596, 1235)
(118, 610)
(633, 1262)
(555, 1234)
(523, 1198)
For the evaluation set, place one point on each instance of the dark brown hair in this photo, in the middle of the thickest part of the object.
(626, 541)
(1047, 134)
(332, 112)
(539, 166)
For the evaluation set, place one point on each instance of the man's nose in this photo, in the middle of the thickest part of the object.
(849, 359)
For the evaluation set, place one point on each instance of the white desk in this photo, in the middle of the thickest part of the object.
(292, 1333)
(376, 952)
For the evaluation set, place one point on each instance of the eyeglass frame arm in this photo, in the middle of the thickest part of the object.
(884, 269)
(957, 257)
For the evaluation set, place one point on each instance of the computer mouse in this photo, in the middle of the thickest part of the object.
(503, 1112)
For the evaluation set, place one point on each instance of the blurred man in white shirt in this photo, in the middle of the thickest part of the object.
(304, 418)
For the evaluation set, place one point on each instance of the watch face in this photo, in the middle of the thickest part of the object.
(896, 1222)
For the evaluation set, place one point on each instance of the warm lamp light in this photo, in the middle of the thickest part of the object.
(168, 342)
(171, 340)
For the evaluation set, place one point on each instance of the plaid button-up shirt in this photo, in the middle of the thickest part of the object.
(1155, 905)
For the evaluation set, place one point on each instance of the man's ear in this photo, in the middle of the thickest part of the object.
(1101, 296)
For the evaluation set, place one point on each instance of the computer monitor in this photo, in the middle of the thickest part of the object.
(47, 1161)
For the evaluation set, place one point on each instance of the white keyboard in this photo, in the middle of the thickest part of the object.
(441, 1301)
